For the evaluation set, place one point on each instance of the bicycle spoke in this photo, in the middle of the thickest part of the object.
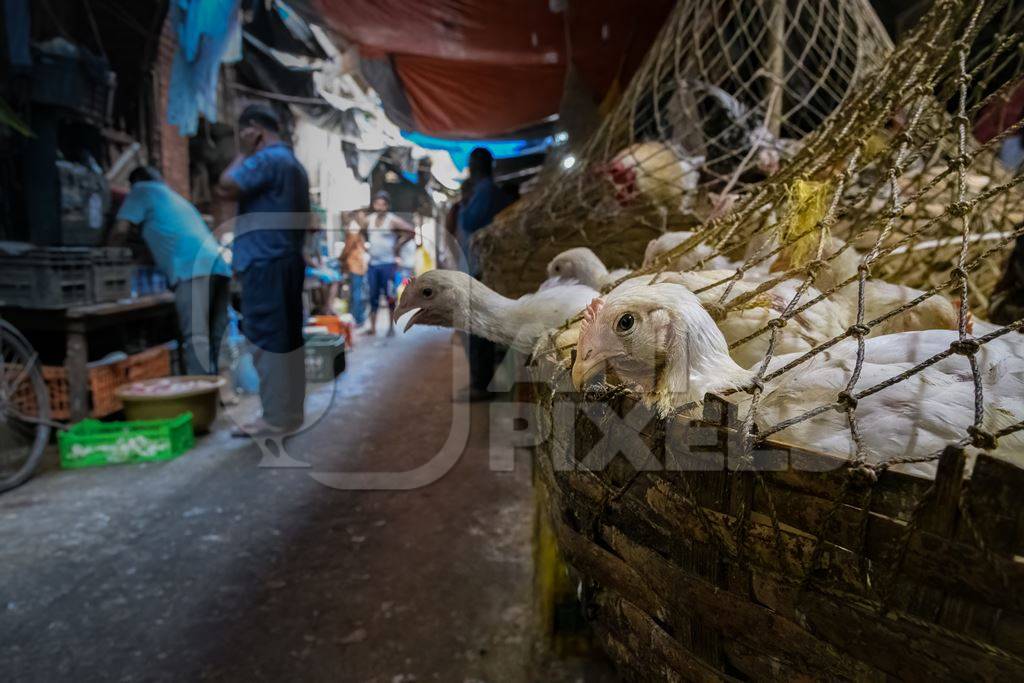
(22, 390)
(10, 392)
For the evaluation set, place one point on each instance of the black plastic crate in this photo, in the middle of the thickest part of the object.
(58, 277)
(112, 269)
(80, 82)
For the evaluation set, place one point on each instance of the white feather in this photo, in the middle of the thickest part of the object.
(913, 417)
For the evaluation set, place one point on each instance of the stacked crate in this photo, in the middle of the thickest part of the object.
(56, 277)
(104, 379)
(64, 277)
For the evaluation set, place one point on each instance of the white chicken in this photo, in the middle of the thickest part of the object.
(583, 265)
(659, 339)
(880, 297)
(757, 245)
(451, 298)
(819, 323)
(688, 261)
(815, 325)
(655, 172)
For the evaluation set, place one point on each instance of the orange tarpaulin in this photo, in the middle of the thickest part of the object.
(465, 99)
(475, 68)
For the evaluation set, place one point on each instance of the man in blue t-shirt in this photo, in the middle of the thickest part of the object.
(188, 255)
(272, 191)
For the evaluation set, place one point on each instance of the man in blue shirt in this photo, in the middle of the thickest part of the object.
(187, 253)
(486, 200)
(272, 190)
(484, 203)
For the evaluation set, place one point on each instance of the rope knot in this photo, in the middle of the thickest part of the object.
(845, 401)
(777, 323)
(959, 273)
(858, 330)
(863, 474)
(965, 347)
(864, 268)
(960, 161)
(715, 310)
(756, 385)
(959, 209)
(982, 439)
(814, 266)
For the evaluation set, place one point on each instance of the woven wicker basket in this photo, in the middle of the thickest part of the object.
(694, 567)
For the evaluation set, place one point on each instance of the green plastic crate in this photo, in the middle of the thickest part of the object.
(92, 443)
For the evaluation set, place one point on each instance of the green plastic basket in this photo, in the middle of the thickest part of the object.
(92, 443)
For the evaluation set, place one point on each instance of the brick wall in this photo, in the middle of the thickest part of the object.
(170, 150)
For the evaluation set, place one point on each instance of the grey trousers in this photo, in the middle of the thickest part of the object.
(272, 320)
(202, 305)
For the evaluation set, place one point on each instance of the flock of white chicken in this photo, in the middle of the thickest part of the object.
(654, 333)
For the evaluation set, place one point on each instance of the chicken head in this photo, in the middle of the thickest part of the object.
(437, 297)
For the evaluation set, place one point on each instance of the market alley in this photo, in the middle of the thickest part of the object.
(210, 566)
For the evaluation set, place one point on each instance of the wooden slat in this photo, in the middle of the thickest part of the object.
(666, 544)
(940, 515)
(930, 556)
(993, 504)
(843, 565)
(635, 628)
(734, 617)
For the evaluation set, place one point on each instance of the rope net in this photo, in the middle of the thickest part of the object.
(794, 143)
(724, 98)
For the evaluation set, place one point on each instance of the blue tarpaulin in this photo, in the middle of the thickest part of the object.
(460, 149)
(209, 34)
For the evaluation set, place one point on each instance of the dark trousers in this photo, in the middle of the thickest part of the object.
(202, 305)
(483, 353)
(381, 277)
(272, 319)
(482, 360)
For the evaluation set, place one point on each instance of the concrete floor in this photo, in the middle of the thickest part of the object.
(215, 567)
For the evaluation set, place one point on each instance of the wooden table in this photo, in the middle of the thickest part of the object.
(77, 323)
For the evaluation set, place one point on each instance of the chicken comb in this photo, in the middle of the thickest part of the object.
(590, 316)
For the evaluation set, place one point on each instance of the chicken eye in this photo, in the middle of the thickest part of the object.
(427, 292)
(625, 322)
(558, 268)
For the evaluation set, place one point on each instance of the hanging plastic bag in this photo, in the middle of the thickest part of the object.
(424, 260)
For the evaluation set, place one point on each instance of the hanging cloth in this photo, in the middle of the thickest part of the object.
(209, 34)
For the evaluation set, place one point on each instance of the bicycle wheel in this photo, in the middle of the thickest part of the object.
(24, 408)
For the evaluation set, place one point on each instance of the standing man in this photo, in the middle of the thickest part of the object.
(386, 235)
(272, 191)
(486, 200)
(187, 253)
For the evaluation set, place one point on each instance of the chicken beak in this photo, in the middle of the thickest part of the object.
(401, 309)
(416, 312)
(589, 371)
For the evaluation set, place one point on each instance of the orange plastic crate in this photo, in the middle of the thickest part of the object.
(103, 383)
